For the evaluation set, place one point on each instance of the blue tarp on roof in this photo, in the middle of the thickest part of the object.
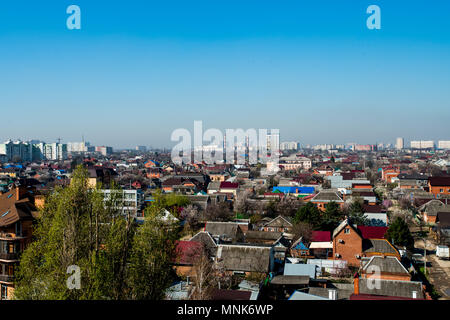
(302, 190)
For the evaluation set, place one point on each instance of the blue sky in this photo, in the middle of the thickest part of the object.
(137, 70)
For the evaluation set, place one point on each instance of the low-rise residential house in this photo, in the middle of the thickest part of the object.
(262, 237)
(245, 259)
(218, 176)
(229, 187)
(225, 232)
(443, 228)
(325, 197)
(209, 244)
(412, 181)
(383, 289)
(300, 249)
(430, 209)
(384, 267)
(213, 187)
(321, 246)
(439, 186)
(278, 224)
(351, 243)
(388, 173)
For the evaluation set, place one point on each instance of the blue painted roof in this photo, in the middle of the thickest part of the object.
(307, 190)
(300, 246)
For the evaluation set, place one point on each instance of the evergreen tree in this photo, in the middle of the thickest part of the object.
(398, 233)
(355, 212)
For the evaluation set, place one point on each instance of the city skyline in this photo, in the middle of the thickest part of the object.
(133, 74)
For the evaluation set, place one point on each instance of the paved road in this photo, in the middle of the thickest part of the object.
(438, 270)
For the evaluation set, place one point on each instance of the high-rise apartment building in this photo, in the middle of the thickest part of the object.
(444, 144)
(400, 143)
(16, 150)
(422, 144)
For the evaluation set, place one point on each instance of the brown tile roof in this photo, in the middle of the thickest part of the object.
(13, 210)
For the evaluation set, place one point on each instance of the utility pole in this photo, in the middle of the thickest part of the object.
(425, 255)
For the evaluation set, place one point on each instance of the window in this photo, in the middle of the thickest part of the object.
(347, 231)
(441, 190)
(4, 292)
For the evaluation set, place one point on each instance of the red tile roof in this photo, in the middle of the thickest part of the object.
(372, 232)
(321, 236)
(228, 185)
(440, 181)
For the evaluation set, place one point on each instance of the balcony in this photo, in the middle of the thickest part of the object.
(9, 256)
(6, 278)
(12, 236)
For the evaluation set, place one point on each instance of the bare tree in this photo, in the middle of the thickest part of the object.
(203, 270)
(302, 230)
(218, 212)
(190, 214)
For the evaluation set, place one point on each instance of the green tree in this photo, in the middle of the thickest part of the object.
(309, 214)
(331, 216)
(150, 272)
(398, 233)
(77, 226)
(355, 212)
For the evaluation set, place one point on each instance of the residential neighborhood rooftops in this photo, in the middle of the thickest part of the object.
(384, 264)
(379, 246)
(327, 196)
(372, 232)
(439, 181)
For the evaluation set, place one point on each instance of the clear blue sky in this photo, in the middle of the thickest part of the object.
(137, 70)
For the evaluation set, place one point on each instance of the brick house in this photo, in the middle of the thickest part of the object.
(439, 185)
(352, 243)
(278, 224)
(325, 197)
(347, 244)
(430, 209)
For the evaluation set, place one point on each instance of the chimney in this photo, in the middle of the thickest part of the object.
(356, 284)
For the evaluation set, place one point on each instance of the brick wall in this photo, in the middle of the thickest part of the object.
(351, 246)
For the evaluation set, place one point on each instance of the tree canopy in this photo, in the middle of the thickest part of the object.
(116, 258)
(398, 233)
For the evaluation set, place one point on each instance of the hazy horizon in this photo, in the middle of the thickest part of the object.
(136, 71)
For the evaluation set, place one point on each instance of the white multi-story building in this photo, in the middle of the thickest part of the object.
(106, 151)
(422, 144)
(273, 141)
(292, 145)
(323, 147)
(400, 143)
(78, 147)
(17, 150)
(129, 201)
(55, 151)
(294, 162)
(444, 144)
